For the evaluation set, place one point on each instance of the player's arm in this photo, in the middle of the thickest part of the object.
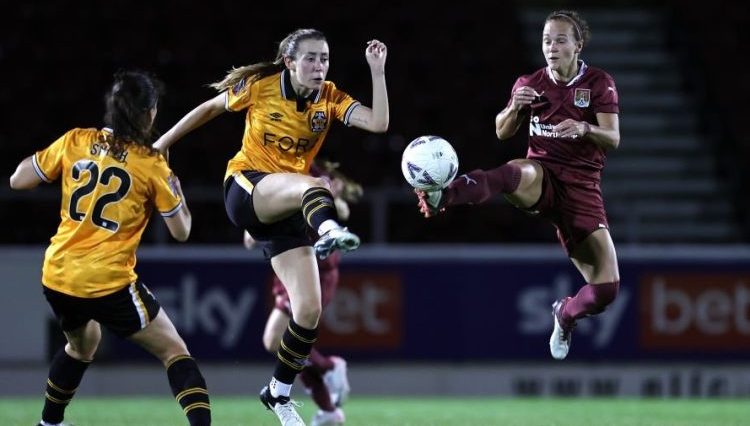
(199, 116)
(25, 176)
(606, 134)
(509, 120)
(180, 223)
(374, 119)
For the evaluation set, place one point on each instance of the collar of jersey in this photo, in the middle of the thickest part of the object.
(581, 70)
(287, 90)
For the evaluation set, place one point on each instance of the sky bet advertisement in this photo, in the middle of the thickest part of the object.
(462, 310)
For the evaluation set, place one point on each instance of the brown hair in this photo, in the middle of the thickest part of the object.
(287, 48)
(581, 29)
(128, 111)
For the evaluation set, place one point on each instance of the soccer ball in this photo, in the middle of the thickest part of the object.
(429, 163)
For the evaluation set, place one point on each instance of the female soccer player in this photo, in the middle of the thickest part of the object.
(572, 111)
(325, 377)
(112, 179)
(267, 190)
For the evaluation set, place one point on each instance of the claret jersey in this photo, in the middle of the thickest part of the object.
(284, 133)
(590, 92)
(106, 204)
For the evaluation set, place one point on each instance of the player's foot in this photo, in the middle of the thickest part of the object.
(335, 239)
(559, 342)
(328, 418)
(42, 423)
(430, 202)
(337, 381)
(283, 406)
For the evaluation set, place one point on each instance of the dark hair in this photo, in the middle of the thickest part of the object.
(581, 28)
(128, 110)
(287, 48)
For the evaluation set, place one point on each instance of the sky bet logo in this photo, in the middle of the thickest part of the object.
(709, 312)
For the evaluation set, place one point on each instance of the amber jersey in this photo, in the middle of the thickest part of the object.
(590, 92)
(284, 133)
(106, 204)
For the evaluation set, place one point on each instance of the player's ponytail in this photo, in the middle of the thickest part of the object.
(247, 74)
(128, 110)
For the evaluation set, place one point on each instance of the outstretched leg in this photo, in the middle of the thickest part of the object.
(520, 181)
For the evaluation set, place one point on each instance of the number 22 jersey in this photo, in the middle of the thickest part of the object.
(106, 205)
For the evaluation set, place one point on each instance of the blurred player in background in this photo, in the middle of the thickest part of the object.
(324, 377)
(112, 180)
(267, 188)
(572, 111)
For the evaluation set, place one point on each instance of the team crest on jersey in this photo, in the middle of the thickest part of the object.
(582, 98)
(318, 121)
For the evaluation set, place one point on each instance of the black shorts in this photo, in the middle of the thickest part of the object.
(277, 237)
(123, 312)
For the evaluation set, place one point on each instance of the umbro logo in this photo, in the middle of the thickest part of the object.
(276, 116)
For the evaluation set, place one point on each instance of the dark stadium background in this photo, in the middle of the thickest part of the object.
(449, 71)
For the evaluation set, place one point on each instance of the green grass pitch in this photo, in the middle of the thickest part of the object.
(406, 411)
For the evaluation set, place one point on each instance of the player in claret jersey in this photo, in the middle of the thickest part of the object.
(112, 180)
(290, 107)
(572, 112)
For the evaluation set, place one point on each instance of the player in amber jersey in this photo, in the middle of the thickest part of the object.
(572, 112)
(325, 377)
(290, 108)
(112, 180)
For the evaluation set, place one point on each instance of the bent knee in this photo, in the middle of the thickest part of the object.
(308, 316)
(81, 353)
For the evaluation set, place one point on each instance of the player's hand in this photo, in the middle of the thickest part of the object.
(376, 52)
(429, 203)
(571, 129)
(523, 96)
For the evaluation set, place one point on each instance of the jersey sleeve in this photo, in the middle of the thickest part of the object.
(49, 161)
(240, 96)
(604, 96)
(343, 104)
(166, 198)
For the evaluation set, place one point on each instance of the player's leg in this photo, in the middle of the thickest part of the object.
(71, 361)
(276, 325)
(333, 369)
(520, 181)
(596, 259)
(67, 369)
(160, 338)
(298, 270)
(279, 195)
(312, 375)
